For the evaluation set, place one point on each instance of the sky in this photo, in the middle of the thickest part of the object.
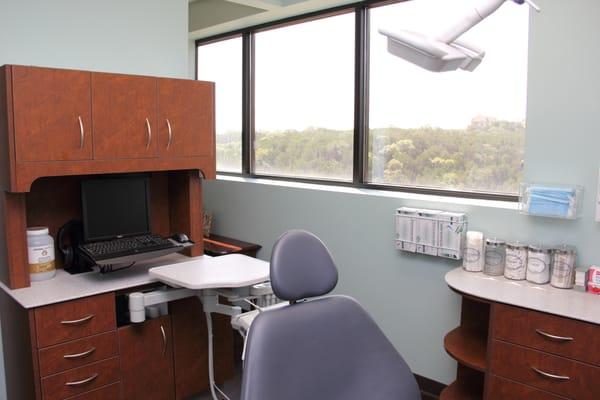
(305, 73)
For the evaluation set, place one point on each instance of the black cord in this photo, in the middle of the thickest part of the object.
(108, 268)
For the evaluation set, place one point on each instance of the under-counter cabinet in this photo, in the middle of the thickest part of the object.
(52, 113)
(147, 360)
(508, 352)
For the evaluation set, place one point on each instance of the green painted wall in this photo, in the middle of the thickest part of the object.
(406, 293)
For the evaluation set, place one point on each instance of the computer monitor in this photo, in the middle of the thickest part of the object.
(115, 206)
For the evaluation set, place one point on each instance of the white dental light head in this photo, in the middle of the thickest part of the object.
(444, 52)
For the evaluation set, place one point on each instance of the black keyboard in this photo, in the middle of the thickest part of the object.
(126, 246)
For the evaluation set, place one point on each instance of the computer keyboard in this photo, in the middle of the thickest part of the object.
(126, 246)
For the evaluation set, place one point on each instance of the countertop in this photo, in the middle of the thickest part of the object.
(545, 298)
(65, 287)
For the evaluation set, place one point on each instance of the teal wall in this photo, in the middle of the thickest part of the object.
(406, 293)
(147, 37)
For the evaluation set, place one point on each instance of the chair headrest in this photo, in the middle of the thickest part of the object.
(301, 267)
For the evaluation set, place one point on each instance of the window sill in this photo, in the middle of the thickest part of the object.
(507, 205)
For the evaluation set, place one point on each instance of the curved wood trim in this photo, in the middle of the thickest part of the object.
(468, 347)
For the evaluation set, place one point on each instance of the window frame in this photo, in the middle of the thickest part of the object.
(361, 104)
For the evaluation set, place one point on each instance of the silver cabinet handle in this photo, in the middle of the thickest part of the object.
(554, 337)
(80, 355)
(164, 339)
(551, 376)
(81, 133)
(83, 381)
(170, 134)
(78, 321)
(149, 129)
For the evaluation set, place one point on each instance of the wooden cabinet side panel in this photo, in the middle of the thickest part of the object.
(185, 199)
(7, 150)
(19, 355)
(14, 270)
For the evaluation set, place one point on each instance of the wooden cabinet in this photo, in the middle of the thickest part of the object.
(52, 114)
(186, 118)
(124, 110)
(506, 352)
(147, 360)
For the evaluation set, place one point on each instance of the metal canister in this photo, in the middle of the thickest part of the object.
(495, 257)
(538, 264)
(563, 267)
(516, 261)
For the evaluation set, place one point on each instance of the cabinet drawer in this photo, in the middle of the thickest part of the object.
(572, 379)
(503, 389)
(549, 333)
(110, 392)
(81, 380)
(70, 320)
(77, 353)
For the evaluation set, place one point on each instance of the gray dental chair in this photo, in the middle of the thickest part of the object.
(327, 348)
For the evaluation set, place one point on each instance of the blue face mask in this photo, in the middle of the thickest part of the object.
(559, 202)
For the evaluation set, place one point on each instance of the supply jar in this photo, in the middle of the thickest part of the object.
(473, 256)
(495, 257)
(40, 253)
(516, 261)
(563, 267)
(538, 264)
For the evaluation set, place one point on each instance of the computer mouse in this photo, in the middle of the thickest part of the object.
(180, 237)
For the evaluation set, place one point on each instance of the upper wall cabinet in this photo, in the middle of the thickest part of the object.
(124, 110)
(186, 118)
(52, 114)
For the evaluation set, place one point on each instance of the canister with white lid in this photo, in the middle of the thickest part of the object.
(40, 253)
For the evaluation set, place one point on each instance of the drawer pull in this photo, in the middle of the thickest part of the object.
(78, 321)
(551, 376)
(170, 134)
(164, 339)
(80, 355)
(83, 381)
(554, 337)
(149, 131)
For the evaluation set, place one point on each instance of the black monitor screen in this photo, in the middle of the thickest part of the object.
(114, 207)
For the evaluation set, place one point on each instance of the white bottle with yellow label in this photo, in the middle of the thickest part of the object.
(40, 252)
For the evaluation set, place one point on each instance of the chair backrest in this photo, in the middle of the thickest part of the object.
(327, 348)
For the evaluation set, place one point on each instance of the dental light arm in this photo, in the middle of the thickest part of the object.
(444, 52)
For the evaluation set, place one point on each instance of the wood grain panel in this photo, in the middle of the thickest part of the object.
(120, 106)
(147, 360)
(49, 319)
(14, 267)
(189, 108)
(94, 348)
(7, 153)
(110, 392)
(518, 363)
(46, 106)
(526, 327)
(55, 387)
(185, 198)
(503, 389)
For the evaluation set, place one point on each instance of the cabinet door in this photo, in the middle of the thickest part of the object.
(186, 121)
(52, 114)
(124, 115)
(147, 360)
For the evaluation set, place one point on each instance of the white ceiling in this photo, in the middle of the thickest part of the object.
(212, 17)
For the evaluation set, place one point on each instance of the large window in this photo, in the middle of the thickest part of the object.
(221, 62)
(453, 130)
(325, 101)
(304, 91)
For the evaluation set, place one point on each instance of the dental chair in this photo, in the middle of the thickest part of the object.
(318, 347)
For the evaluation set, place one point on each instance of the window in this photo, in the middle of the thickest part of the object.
(454, 130)
(325, 102)
(221, 62)
(304, 91)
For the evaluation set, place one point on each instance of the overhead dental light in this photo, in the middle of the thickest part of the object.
(445, 52)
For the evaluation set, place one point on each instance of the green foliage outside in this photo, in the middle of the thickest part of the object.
(486, 156)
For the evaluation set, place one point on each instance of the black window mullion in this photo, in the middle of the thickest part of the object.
(361, 95)
(248, 103)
